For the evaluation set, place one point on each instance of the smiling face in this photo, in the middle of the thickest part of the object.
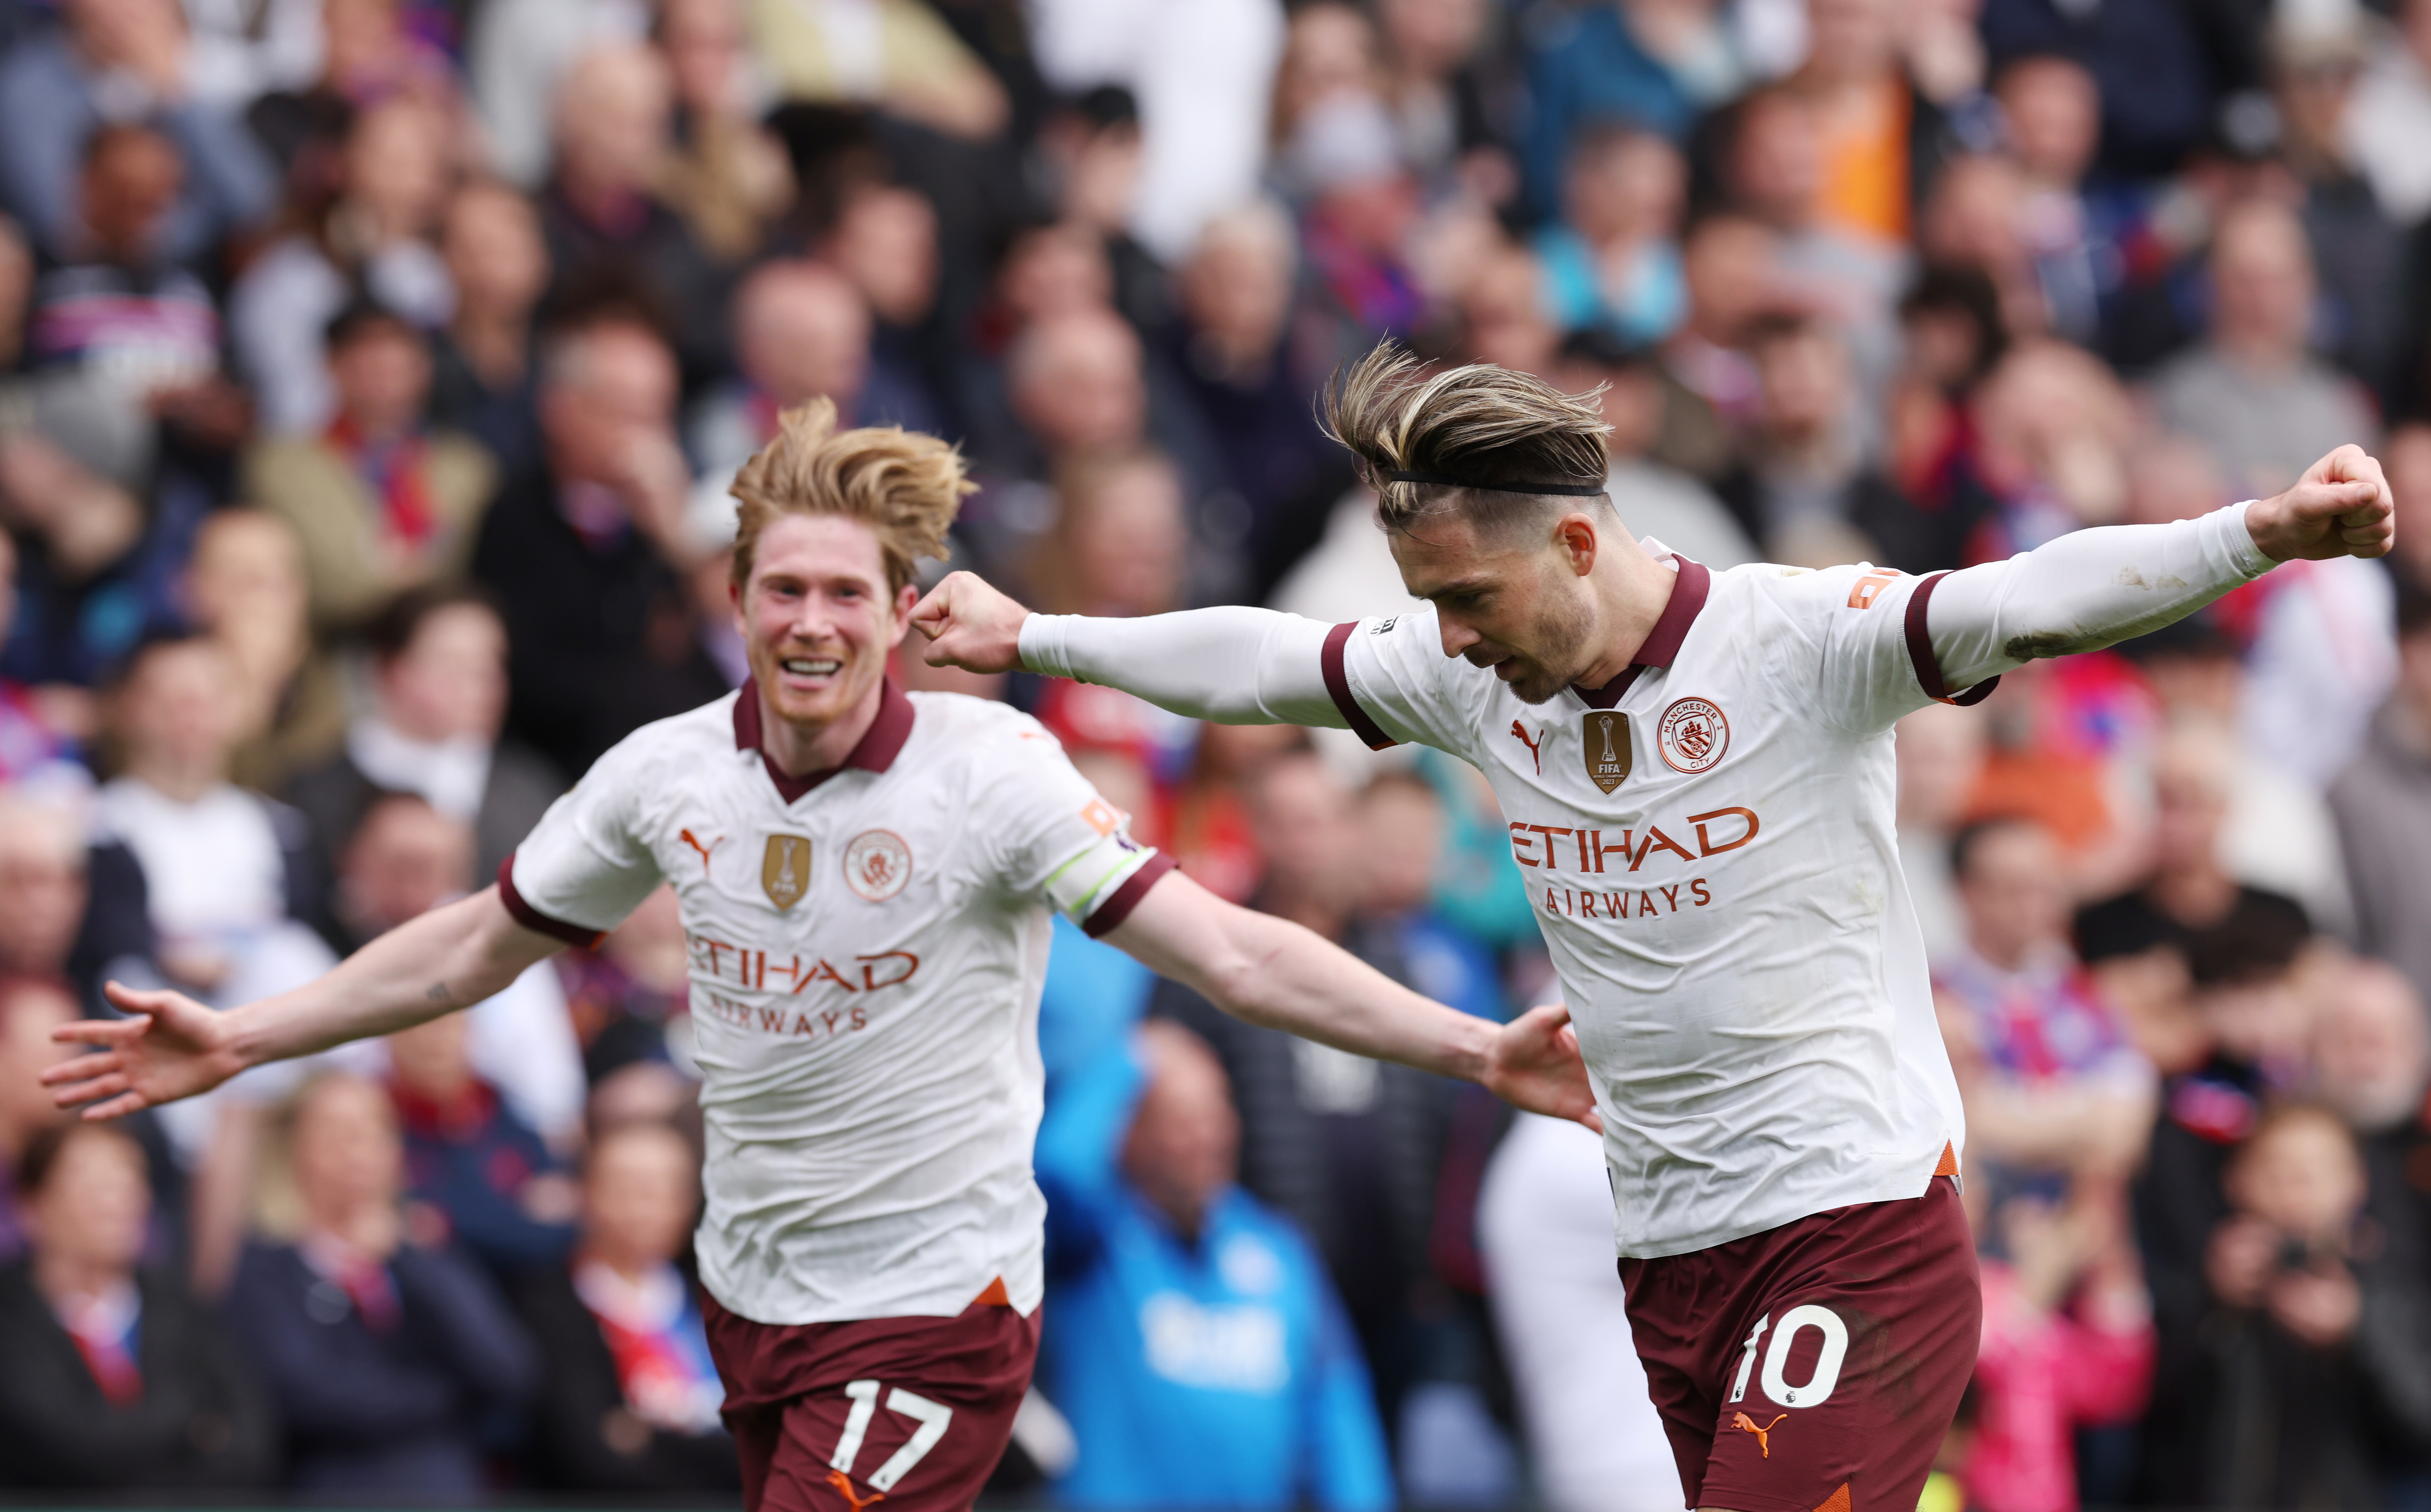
(1513, 598)
(818, 616)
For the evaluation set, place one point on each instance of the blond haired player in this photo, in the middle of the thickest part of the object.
(1697, 771)
(866, 877)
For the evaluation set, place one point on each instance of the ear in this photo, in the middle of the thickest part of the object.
(1576, 535)
(905, 597)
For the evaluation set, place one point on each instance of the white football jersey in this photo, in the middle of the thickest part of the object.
(867, 949)
(1710, 844)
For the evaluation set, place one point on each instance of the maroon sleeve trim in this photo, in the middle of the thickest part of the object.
(1919, 650)
(1112, 912)
(537, 922)
(1337, 684)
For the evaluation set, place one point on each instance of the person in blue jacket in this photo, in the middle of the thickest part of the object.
(1195, 1344)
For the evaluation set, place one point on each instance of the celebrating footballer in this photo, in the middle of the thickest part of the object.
(1697, 769)
(865, 877)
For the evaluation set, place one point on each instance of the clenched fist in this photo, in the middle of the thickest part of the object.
(2341, 507)
(970, 626)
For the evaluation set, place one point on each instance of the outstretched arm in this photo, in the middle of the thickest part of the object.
(1231, 666)
(1270, 971)
(175, 1047)
(2096, 587)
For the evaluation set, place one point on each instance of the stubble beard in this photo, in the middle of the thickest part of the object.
(1560, 636)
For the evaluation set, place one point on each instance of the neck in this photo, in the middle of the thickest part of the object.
(631, 1266)
(2258, 353)
(175, 780)
(2199, 894)
(65, 1280)
(800, 749)
(1631, 589)
(2008, 955)
(492, 343)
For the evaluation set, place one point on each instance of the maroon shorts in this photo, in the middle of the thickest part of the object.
(832, 1417)
(1814, 1367)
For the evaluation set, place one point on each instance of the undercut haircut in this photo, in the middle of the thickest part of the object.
(904, 486)
(1479, 435)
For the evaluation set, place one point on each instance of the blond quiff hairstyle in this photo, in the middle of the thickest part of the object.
(1480, 423)
(904, 486)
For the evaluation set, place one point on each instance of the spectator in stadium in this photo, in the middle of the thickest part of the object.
(2052, 111)
(2392, 109)
(1613, 260)
(244, 588)
(1360, 214)
(585, 553)
(1733, 265)
(725, 177)
(482, 379)
(227, 873)
(371, 244)
(2408, 451)
(112, 61)
(2050, 1084)
(68, 910)
(1644, 61)
(384, 1353)
(1202, 1357)
(1120, 537)
(493, 1186)
(2371, 1063)
(380, 502)
(886, 241)
(36, 744)
(1437, 85)
(2313, 1379)
(1075, 382)
(802, 332)
(2253, 393)
(1247, 379)
(916, 67)
(2382, 805)
(437, 704)
(1350, 1149)
(603, 213)
(629, 1400)
(2188, 892)
(1805, 492)
(117, 1378)
(30, 1007)
(403, 860)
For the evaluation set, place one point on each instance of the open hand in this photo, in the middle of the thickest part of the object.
(2341, 507)
(1534, 1064)
(171, 1047)
(971, 626)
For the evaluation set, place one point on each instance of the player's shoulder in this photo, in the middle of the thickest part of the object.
(676, 743)
(980, 732)
(1809, 596)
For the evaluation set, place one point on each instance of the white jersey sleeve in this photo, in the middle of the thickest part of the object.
(1050, 836)
(1890, 643)
(1391, 682)
(586, 864)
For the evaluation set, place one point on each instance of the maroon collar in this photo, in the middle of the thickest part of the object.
(1660, 646)
(876, 753)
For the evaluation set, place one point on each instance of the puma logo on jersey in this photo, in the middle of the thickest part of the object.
(843, 1483)
(1519, 733)
(1763, 1431)
(689, 838)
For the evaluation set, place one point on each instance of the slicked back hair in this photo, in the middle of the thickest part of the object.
(1479, 425)
(904, 486)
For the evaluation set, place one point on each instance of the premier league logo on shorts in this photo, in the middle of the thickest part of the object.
(1693, 736)
(1607, 748)
(786, 870)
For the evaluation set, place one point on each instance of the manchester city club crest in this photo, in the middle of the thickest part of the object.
(785, 869)
(1693, 734)
(1607, 748)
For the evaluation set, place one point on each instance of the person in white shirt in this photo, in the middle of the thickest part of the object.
(1697, 771)
(866, 879)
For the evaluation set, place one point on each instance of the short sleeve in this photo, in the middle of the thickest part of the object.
(1055, 839)
(1389, 678)
(1870, 675)
(584, 865)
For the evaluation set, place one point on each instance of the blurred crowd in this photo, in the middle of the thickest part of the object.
(371, 376)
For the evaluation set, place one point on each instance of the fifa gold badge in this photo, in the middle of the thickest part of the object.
(1607, 748)
(785, 869)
